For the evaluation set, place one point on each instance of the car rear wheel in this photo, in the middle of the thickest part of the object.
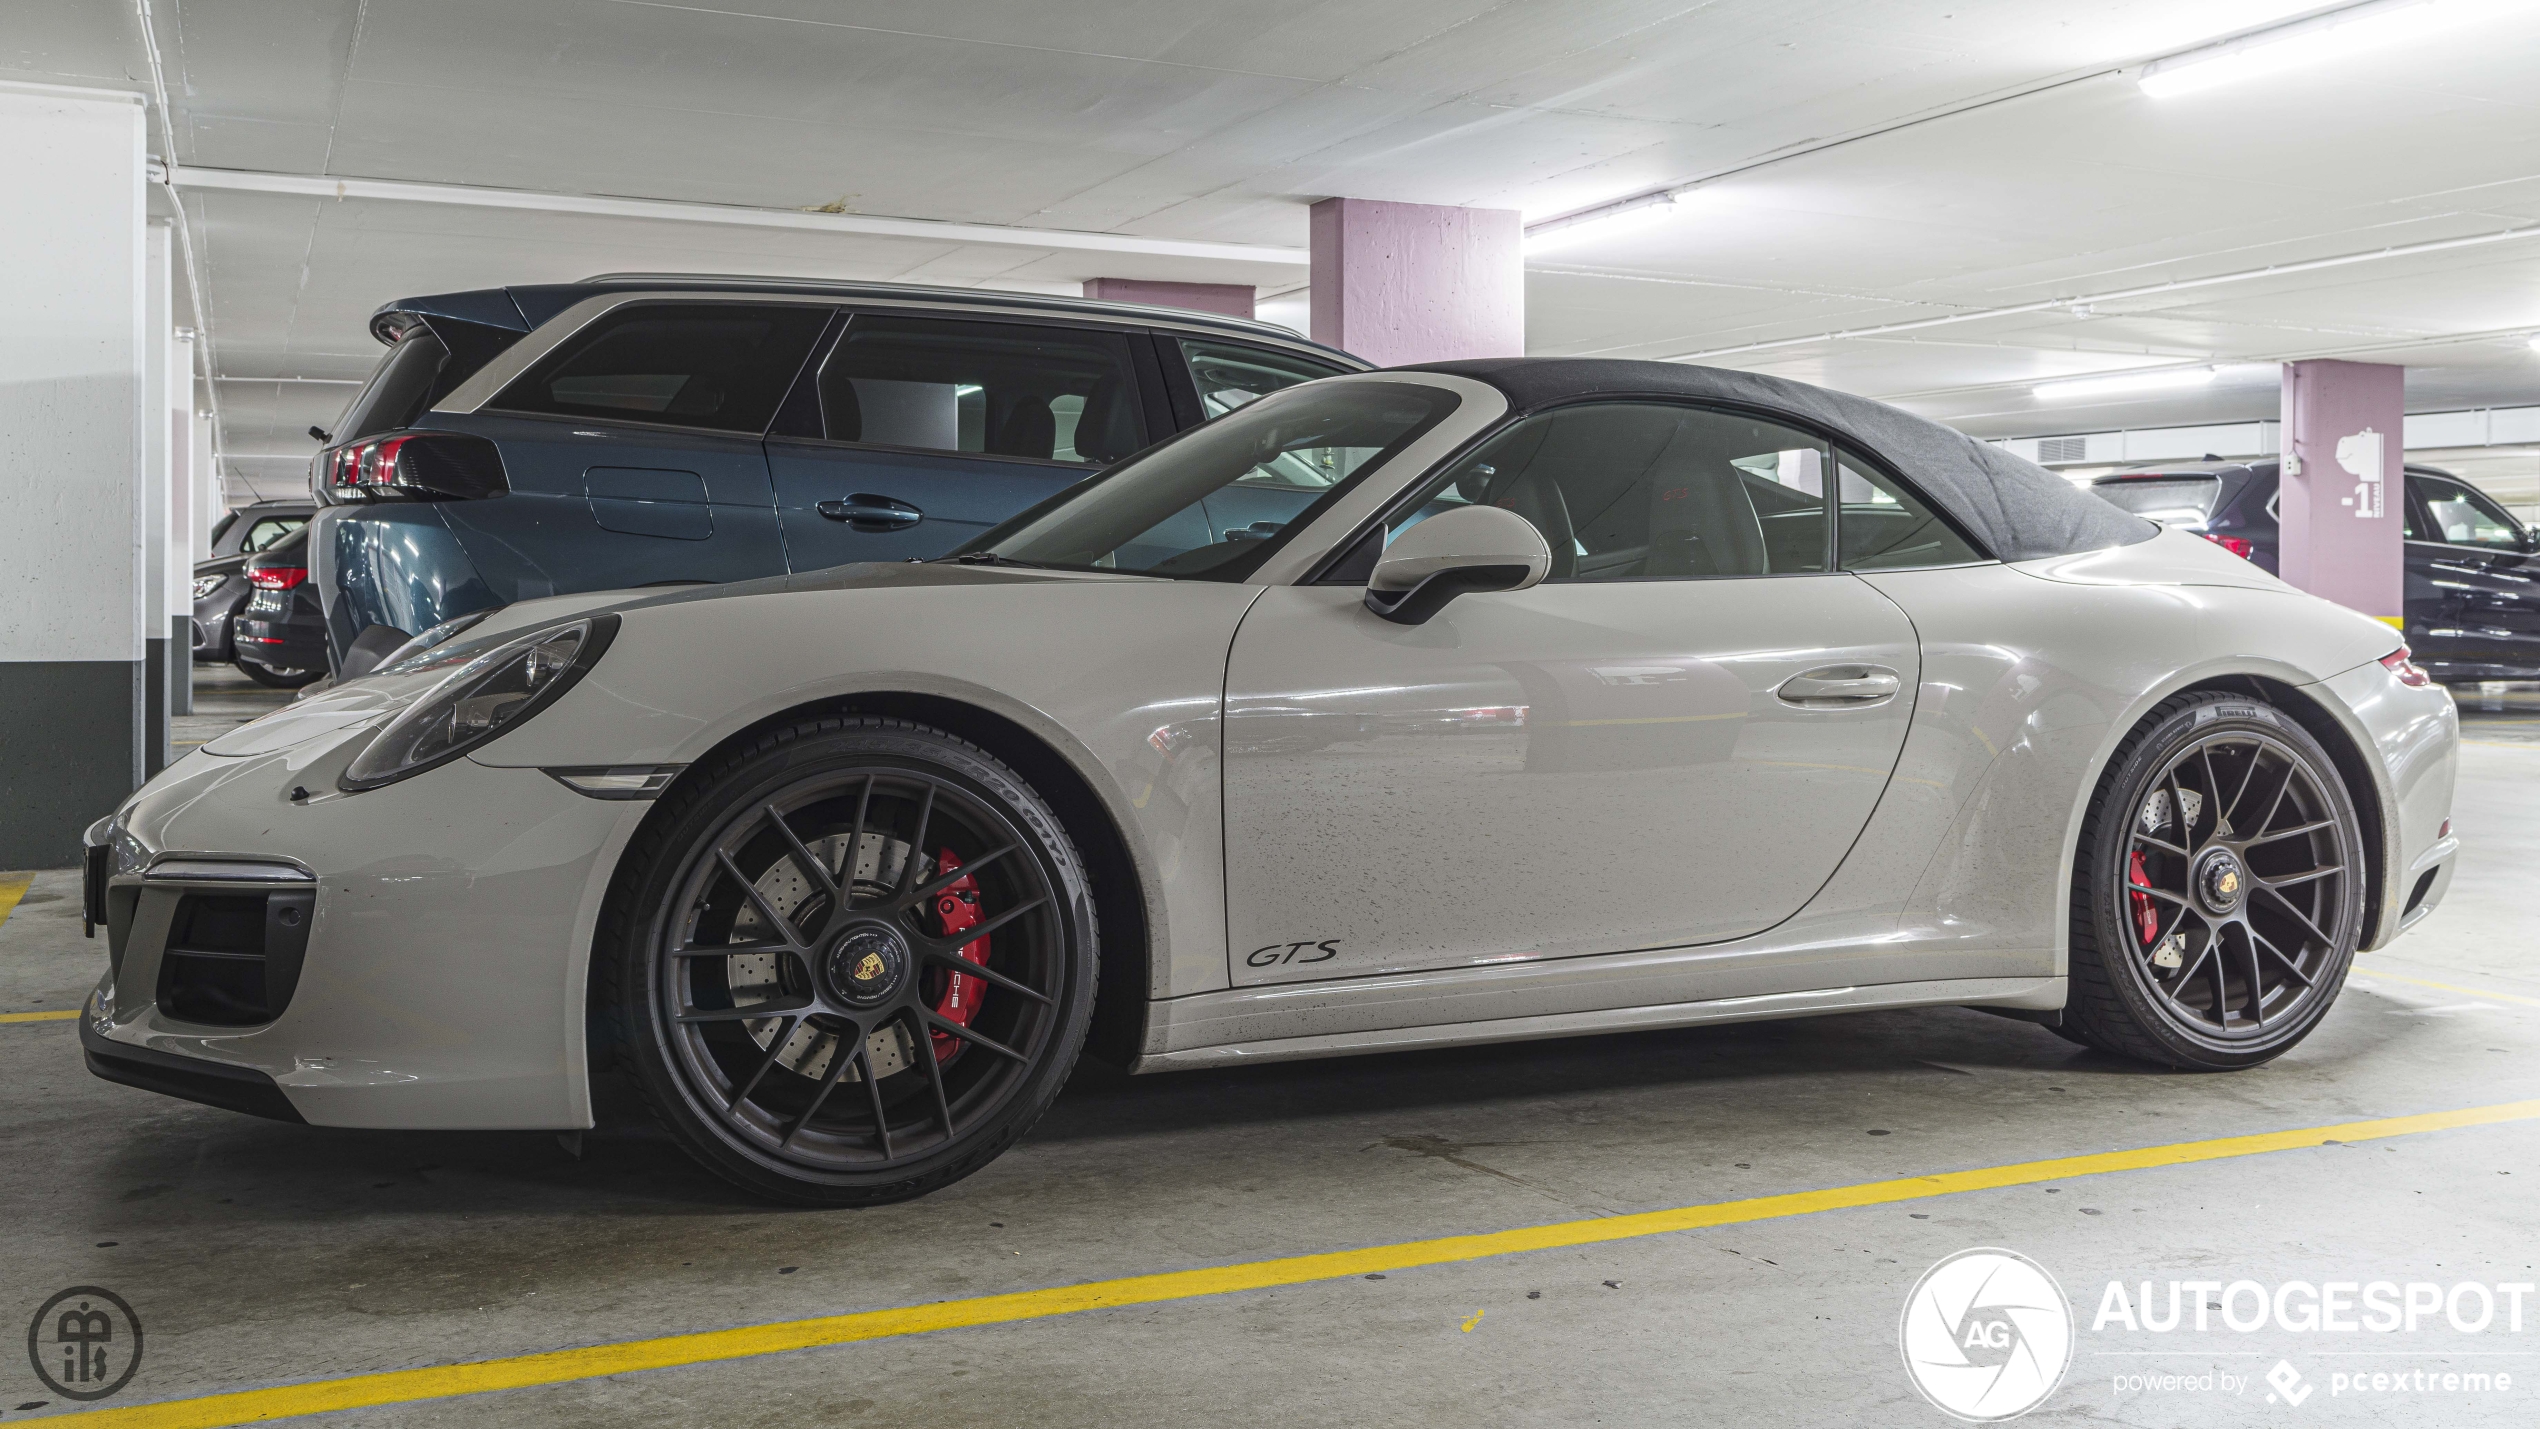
(2219, 891)
(851, 961)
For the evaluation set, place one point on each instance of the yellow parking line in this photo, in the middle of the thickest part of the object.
(2452, 987)
(38, 1016)
(12, 888)
(407, 1386)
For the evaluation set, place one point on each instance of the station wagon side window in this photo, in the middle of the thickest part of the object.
(988, 389)
(1229, 374)
(719, 366)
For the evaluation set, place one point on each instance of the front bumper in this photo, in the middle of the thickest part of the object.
(441, 980)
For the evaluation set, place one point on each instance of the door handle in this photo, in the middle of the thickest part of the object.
(867, 512)
(1840, 687)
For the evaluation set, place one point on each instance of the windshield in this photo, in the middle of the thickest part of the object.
(1215, 502)
(2170, 500)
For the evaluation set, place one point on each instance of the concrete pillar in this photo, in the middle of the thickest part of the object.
(1399, 283)
(1234, 300)
(73, 345)
(210, 502)
(158, 487)
(2344, 493)
(183, 498)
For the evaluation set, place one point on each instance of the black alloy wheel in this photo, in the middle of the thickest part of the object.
(852, 961)
(2219, 895)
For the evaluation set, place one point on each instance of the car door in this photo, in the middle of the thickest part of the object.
(915, 433)
(1673, 740)
(2474, 604)
(633, 451)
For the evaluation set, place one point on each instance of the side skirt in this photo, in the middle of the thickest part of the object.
(2036, 993)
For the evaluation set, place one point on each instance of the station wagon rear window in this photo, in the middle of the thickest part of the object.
(722, 366)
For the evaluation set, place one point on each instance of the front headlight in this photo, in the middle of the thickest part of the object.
(495, 692)
(205, 585)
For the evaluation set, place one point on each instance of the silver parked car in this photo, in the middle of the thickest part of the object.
(1552, 697)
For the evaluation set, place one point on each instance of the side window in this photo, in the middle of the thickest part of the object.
(1229, 374)
(268, 530)
(2464, 517)
(1885, 528)
(722, 366)
(994, 389)
(1651, 491)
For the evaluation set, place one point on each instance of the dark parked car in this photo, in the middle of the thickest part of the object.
(280, 632)
(638, 430)
(220, 579)
(2473, 571)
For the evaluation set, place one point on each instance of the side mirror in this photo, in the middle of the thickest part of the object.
(1461, 552)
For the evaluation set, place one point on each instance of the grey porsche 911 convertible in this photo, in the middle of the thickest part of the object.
(1466, 703)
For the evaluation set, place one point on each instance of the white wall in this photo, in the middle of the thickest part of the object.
(72, 344)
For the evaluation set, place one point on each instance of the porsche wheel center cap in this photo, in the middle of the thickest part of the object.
(867, 966)
(2221, 882)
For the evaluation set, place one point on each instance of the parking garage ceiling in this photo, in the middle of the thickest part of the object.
(1857, 166)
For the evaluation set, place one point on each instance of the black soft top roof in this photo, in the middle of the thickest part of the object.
(2017, 510)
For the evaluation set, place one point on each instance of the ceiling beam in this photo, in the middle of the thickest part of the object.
(723, 215)
(2086, 300)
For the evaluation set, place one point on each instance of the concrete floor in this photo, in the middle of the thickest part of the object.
(259, 1254)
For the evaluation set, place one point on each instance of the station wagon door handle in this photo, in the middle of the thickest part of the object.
(1838, 687)
(866, 512)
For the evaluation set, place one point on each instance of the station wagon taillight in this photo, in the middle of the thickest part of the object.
(276, 577)
(426, 464)
(2237, 545)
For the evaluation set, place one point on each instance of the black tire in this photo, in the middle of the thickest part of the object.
(2218, 890)
(276, 679)
(881, 1085)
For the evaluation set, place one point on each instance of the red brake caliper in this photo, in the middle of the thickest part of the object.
(958, 909)
(2147, 918)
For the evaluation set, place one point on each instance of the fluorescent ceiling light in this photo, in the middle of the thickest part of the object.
(2164, 379)
(2535, 344)
(2353, 30)
(1602, 222)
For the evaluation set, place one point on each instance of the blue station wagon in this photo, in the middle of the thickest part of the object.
(638, 429)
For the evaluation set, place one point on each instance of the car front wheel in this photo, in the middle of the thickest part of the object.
(2218, 894)
(851, 961)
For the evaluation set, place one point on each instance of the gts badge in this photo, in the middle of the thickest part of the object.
(1278, 953)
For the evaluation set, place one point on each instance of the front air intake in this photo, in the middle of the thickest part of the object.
(233, 958)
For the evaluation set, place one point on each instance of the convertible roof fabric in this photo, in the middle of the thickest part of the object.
(2019, 511)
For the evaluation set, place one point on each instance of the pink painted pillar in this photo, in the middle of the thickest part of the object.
(1399, 283)
(1232, 299)
(2343, 488)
